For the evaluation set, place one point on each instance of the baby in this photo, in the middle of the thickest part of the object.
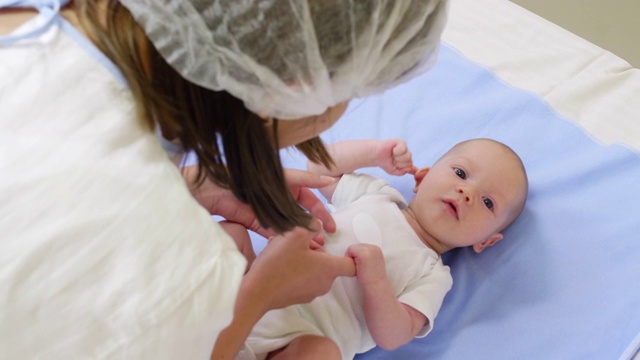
(469, 196)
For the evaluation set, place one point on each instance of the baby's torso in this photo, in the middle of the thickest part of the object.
(381, 224)
(366, 210)
(340, 314)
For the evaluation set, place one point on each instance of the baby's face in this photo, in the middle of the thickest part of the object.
(470, 194)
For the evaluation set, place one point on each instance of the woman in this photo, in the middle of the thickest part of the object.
(106, 253)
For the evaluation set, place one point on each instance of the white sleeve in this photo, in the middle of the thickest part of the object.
(427, 293)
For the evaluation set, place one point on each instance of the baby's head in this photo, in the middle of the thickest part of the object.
(470, 195)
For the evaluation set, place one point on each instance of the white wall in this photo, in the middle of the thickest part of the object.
(611, 24)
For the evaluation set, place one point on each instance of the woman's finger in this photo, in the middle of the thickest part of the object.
(311, 202)
(344, 266)
(300, 181)
(296, 177)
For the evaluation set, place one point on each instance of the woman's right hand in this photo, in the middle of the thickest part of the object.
(288, 272)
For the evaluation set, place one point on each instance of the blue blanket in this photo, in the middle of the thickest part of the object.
(565, 281)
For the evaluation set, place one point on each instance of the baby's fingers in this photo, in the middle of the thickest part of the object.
(405, 165)
(401, 153)
(400, 149)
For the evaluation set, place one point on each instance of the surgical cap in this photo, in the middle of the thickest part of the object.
(294, 58)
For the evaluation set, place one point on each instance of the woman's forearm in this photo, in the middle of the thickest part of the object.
(249, 308)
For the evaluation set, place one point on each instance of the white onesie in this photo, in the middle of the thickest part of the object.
(367, 210)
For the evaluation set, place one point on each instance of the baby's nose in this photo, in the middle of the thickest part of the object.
(466, 194)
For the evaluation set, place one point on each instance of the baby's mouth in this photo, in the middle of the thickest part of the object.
(451, 207)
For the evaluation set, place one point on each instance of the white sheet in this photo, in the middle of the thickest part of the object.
(581, 81)
(584, 196)
(565, 272)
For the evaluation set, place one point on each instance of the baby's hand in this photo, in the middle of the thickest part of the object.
(369, 262)
(394, 157)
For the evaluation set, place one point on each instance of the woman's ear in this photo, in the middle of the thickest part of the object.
(492, 240)
(419, 175)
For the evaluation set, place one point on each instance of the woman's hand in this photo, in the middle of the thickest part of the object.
(286, 272)
(300, 182)
(222, 202)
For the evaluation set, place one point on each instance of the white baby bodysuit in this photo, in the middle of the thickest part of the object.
(367, 210)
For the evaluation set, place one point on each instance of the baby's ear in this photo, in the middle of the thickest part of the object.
(419, 175)
(492, 240)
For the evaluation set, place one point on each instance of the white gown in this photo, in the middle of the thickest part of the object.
(103, 252)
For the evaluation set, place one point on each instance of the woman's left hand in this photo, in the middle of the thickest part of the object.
(222, 202)
(300, 182)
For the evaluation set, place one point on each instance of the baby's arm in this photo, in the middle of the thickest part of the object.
(392, 156)
(390, 322)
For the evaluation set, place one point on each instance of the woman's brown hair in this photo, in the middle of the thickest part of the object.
(233, 147)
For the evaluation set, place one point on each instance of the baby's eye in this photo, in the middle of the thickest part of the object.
(488, 203)
(461, 174)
